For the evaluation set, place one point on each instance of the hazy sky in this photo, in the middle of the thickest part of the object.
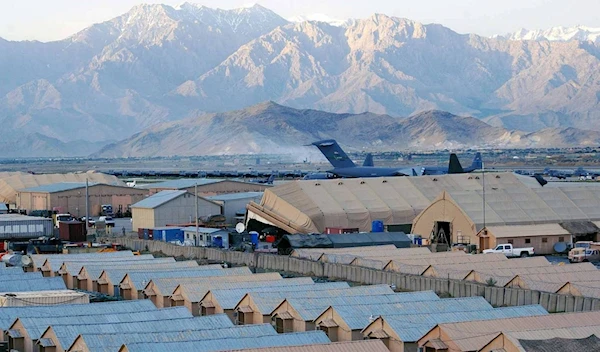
(56, 19)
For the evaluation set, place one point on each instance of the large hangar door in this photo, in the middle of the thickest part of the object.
(442, 232)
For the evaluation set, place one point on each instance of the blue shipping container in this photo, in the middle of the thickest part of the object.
(168, 234)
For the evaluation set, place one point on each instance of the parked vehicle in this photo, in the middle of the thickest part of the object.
(107, 210)
(108, 220)
(45, 245)
(62, 217)
(581, 255)
(508, 250)
(585, 251)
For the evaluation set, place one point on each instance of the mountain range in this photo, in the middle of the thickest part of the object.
(272, 128)
(157, 64)
(561, 34)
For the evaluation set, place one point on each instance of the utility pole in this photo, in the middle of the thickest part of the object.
(196, 199)
(483, 182)
(87, 208)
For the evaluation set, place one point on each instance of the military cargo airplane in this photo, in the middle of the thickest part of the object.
(344, 167)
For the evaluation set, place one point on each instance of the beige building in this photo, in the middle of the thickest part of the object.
(541, 237)
(10, 183)
(208, 187)
(69, 197)
(170, 208)
(458, 216)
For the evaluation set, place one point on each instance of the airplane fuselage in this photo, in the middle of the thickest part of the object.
(368, 171)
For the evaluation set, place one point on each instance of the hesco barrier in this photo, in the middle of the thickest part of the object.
(497, 296)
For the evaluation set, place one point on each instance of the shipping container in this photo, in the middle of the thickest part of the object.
(14, 226)
(42, 298)
(72, 231)
(168, 234)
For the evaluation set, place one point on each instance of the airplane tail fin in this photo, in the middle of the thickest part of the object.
(334, 153)
(540, 180)
(454, 167)
(271, 179)
(369, 160)
(477, 162)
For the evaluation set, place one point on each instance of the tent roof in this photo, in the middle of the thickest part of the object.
(11, 183)
(308, 206)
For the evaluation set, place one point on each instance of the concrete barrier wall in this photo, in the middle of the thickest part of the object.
(497, 296)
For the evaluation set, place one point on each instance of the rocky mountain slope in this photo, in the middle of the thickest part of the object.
(269, 128)
(157, 63)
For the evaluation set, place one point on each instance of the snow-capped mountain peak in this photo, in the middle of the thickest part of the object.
(244, 19)
(560, 33)
(320, 17)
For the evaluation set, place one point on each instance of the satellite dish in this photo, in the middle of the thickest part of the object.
(560, 247)
(240, 227)
(26, 261)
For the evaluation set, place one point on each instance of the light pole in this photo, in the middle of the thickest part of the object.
(483, 184)
(87, 208)
(196, 200)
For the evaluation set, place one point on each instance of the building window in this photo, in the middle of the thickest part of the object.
(510, 241)
(528, 240)
(544, 240)
(561, 239)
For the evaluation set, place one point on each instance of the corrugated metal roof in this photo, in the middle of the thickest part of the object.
(292, 339)
(196, 292)
(167, 285)
(19, 217)
(185, 183)
(514, 231)
(159, 264)
(112, 342)
(158, 199)
(141, 278)
(410, 328)
(68, 333)
(310, 308)
(236, 196)
(39, 259)
(268, 301)
(19, 275)
(228, 298)
(472, 336)
(74, 267)
(352, 346)
(207, 230)
(38, 284)
(116, 274)
(9, 314)
(36, 326)
(357, 316)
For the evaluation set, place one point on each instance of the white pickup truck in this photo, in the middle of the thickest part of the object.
(508, 250)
